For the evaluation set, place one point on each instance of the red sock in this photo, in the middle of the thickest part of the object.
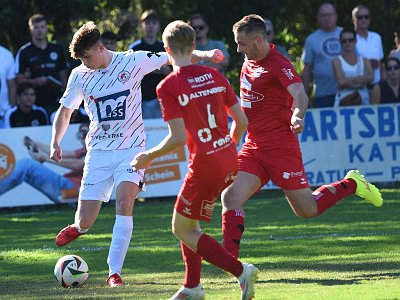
(211, 251)
(325, 198)
(232, 230)
(192, 267)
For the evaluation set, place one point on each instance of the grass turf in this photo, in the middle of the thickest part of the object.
(350, 252)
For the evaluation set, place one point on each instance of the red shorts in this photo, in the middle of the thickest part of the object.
(196, 199)
(284, 166)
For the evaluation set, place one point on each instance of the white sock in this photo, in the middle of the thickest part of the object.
(80, 230)
(121, 238)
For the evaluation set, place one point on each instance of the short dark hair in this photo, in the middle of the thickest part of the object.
(23, 86)
(348, 30)
(197, 16)
(36, 18)
(86, 37)
(150, 14)
(395, 59)
(250, 23)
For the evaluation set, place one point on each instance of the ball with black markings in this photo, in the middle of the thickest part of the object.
(71, 271)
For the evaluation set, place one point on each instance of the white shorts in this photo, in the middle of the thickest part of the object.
(105, 169)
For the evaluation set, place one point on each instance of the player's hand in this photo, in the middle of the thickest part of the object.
(141, 161)
(217, 55)
(297, 124)
(56, 153)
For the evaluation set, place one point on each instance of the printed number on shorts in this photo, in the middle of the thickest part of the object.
(205, 133)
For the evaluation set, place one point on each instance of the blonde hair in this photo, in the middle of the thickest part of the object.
(86, 37)
(179, 37)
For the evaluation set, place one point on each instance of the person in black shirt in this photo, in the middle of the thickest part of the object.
(42, 63)
(151, 26)
(25, 113)
(388, 90)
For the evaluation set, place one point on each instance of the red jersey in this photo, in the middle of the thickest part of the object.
(264, 96)
(200, 95)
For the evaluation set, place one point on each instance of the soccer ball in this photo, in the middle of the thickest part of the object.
(71, 271)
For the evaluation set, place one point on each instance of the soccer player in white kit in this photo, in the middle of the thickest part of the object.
(109, 84)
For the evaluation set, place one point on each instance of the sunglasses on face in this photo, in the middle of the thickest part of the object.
(366, 17)
(392, 68)
(344, 41)
(269, 32)
(200, 27)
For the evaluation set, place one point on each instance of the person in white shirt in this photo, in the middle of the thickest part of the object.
(369, 43)
(109, 84)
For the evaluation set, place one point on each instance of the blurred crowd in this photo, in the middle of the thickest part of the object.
(342, 66)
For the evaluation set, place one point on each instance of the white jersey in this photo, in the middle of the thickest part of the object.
(112, 98)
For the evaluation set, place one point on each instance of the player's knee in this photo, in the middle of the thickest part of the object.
(307, 214)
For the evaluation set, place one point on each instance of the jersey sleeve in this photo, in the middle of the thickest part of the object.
(150, 61)
(73, 95)
(169, 103)
(286, 73)
(21, 62)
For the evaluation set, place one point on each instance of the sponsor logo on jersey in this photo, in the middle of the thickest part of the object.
(222, 141)
(108, 136)
(288, 72)
(111, 107)
(124, 76)
(246, 94)
(184, 99)
(7, 161)
(200, 81)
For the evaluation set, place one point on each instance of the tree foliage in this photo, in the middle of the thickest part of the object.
(293, 19)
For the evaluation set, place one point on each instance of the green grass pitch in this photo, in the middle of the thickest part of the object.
(350, 252)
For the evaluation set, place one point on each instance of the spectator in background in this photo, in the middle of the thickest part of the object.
(109, 40)
(319, 50)
(7, 83)
(150, 21)
(369, 43)
(396, 52)
(388, 90)
(26, 113)
(270, 36)
(200, 26)
(352, 73)
(42, 63)
(39, 176)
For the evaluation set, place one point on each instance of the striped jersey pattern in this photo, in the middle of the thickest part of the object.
(112, 98)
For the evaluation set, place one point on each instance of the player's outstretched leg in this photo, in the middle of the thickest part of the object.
(365, 189)
(67, 235)
(184, 293)
(247, 281)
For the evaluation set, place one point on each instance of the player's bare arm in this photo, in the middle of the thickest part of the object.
(300, 103)
(60, 125)
(239, 123)
(214, 55)
(176, 138)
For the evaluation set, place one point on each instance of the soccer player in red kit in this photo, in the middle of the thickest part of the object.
(274, 101)
(194, 101)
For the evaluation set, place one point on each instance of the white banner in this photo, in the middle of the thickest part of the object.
(334, 141)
